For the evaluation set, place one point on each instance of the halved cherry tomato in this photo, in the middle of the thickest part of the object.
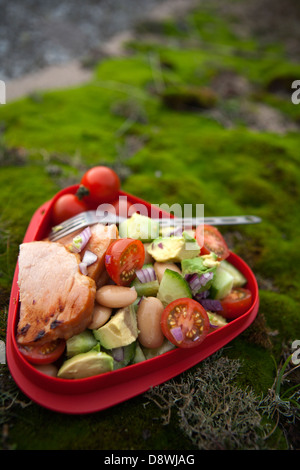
(99, 185)
(210, 240)
(45, 353)
(185, 323)
(65, 207)
(236, 303)
(123, 257)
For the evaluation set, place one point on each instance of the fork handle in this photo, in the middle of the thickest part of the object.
(186, 222)
(236, 220)
(192, 221)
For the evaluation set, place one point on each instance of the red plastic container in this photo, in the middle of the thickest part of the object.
(96, 393)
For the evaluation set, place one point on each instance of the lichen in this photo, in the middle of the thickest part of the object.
(213, 412)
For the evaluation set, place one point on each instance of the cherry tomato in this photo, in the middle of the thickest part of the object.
(45, 353)
(98, 185)
(210, 240)
(67, 206)
(185, 323)
(236, 303)
(123, 257)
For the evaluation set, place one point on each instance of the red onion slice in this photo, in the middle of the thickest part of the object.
(89, 258)
(211, 304)
(202, 295)
(83, 268)
(80, 241)
(196, 282)
(118, 354)
(146, 275)
(177, 334)
(108, 259)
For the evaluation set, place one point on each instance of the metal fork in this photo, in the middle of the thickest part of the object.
(84, 219)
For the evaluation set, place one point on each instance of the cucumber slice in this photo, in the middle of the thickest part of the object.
(173, 286)
(148, 289)
(238, 279)
(222, 284)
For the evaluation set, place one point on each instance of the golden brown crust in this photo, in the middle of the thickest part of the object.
(56, 299)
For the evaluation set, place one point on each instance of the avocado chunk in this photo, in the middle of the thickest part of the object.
(81, 343)
(120, 330)
(139, 227)
(165, 347)
(87, 364)
(215, 320)
(174, 249)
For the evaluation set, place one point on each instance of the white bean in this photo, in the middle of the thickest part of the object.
(116, 296)
(148, 319)
(161, 267)
(100, 316)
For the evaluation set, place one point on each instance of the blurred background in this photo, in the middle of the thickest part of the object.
(35, 34)
(189, 102)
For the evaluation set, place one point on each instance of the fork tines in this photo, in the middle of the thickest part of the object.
(74, 223)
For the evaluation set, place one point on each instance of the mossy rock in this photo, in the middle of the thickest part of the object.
(281, 84)
(189, 98)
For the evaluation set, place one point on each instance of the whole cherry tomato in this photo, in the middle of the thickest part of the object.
(67, 206)
(99, 185)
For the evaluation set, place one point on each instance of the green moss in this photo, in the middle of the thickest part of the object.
(257, 368)
(185, 98)
(51, 124)
(23, 190)
(133, 425)
(282, 315)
